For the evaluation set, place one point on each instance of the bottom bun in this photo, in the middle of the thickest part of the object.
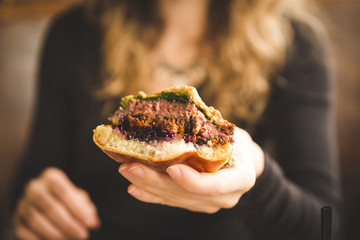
(161, 154)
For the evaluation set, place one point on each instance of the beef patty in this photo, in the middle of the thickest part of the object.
(165, 121)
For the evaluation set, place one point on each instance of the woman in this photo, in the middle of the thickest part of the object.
(262, 63)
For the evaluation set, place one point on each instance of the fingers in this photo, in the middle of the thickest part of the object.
(187, 188)
(55, 211)
(227, 180)
(37, 222)
(54, 208)
(239, 178)
(23, 232)
(186, 180)
(153, 187)
(149, 179)
(75, 200)
(144, 196)
(189, 204)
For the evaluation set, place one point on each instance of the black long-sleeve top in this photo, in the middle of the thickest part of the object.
(286, 199)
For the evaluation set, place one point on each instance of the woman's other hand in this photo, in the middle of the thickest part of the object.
(186, 188)
(54, 208)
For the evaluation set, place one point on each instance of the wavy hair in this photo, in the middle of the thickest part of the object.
(249, 40)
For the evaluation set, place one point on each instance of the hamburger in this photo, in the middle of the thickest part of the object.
(165, 128)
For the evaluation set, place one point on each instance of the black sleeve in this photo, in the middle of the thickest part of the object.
(286, 200)
(50, 143)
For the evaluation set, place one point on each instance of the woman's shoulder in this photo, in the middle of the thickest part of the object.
(72, 42)
(309, 44)
(308, 63)
(70, 18)
(73, 25)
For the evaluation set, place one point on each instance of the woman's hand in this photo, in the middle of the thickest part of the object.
(54, 208)
(186, 188)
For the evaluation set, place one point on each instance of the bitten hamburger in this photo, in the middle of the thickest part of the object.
(165, 128)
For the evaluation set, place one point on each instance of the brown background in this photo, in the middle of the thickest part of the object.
(22, 27)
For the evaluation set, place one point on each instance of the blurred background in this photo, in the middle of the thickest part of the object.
(23, 24)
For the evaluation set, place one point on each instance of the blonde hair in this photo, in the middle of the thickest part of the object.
(245, 52)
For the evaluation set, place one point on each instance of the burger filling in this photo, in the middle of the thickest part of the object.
(164, 120)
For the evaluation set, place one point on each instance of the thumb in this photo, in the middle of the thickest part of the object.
(187, 178)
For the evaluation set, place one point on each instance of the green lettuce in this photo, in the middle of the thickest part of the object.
(230, 161)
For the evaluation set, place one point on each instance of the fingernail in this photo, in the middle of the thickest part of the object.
(98, 223)
(123, 167)
(91, 217)
(94, 222)
(134, 191)
(174, 172)
(137, 171)
(90, 221)
(82, 234)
